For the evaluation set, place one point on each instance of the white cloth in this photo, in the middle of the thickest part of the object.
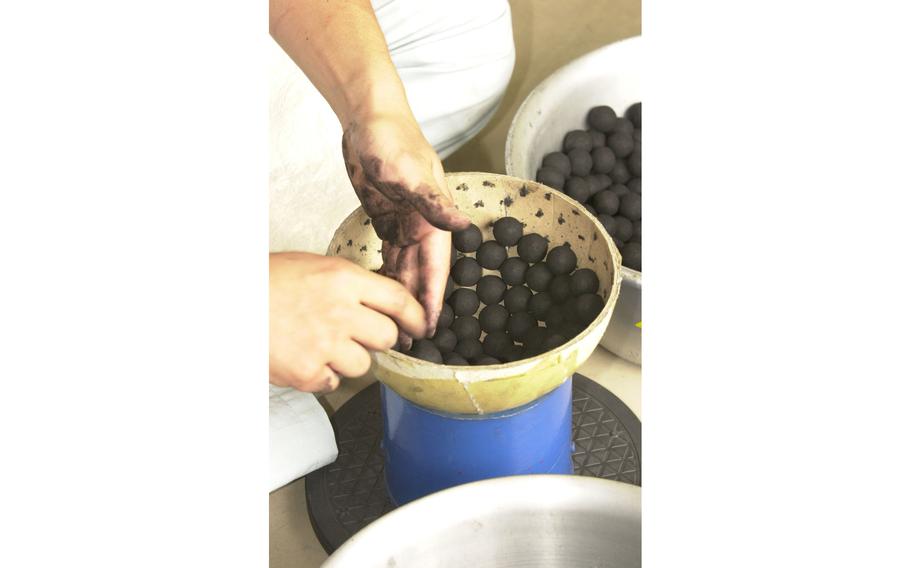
(300, 436)
(455, 59)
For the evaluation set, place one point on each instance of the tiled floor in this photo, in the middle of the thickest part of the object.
(548, 35)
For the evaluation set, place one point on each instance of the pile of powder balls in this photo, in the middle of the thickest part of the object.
(601, 168)
(532, 299)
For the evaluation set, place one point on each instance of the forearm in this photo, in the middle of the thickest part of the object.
(340, 47)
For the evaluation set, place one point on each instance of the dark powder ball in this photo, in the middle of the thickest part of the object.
(620, 173)
(551, 177)
(587, 307)
(559, 162)
(540, 304)
(453, 256)
(538, 277)
(625, 126)
(598, 139)
(630, 206)
(590, 209)
(633, 162)
(445, 339)
(532, 247)
(469, 348)
(592, 183)
(560, 288)
(633, 113)
(493, 318)
(490, 289)
(608, 222)
(602, 160)
(634, 185)
(491, 255)
(466, 271)
(557, 316)
(496, 343)
(606, 202)
(532, 350)
(464, 302)
(576, 140)
(467, 240)
(513, 353)
(619, 243)
(513, 271)
(621, 143)
(578, 189)
(466, 327)
(571, 329)
(454, 358)
(446, 316)
(631, 255)
(485, 360)
(602, 118)
(581, 162)
(552, 342)
(520, 324)
(619, 189)
(624, 228)
(636, 229)
(599, 182)
(562, 259)
(535, 338)
(426, 350)
(517, 298)
(450, 287)
(584, 281)
(637, 136)
(507, 231)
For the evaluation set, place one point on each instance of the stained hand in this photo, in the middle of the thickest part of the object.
(401, 185)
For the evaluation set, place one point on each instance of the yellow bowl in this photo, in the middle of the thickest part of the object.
(494, 388)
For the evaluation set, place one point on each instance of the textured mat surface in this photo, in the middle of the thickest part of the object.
(347, 495)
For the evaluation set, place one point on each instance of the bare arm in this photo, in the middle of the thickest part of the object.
(340, 47)
(393, 169)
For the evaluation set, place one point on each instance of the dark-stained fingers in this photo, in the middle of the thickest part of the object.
(435, 250)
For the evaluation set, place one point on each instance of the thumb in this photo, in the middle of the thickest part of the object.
(434, 202)
(439, 210)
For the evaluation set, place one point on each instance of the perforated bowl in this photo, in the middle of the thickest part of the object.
(493, 388)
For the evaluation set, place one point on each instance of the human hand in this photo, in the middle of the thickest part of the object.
(401, 185)
(325, 313)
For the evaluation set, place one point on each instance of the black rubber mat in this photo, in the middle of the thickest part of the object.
(350, 493)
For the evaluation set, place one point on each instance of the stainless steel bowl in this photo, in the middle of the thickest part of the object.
(528, 521)
(609, 75)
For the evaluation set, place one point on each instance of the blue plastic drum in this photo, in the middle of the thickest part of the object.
(428, 450)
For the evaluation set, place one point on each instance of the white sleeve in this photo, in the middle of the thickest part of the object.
(301, 438)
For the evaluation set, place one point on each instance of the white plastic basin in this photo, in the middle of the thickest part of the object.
(607, 76)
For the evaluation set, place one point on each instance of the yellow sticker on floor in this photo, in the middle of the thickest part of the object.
(638, 325)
